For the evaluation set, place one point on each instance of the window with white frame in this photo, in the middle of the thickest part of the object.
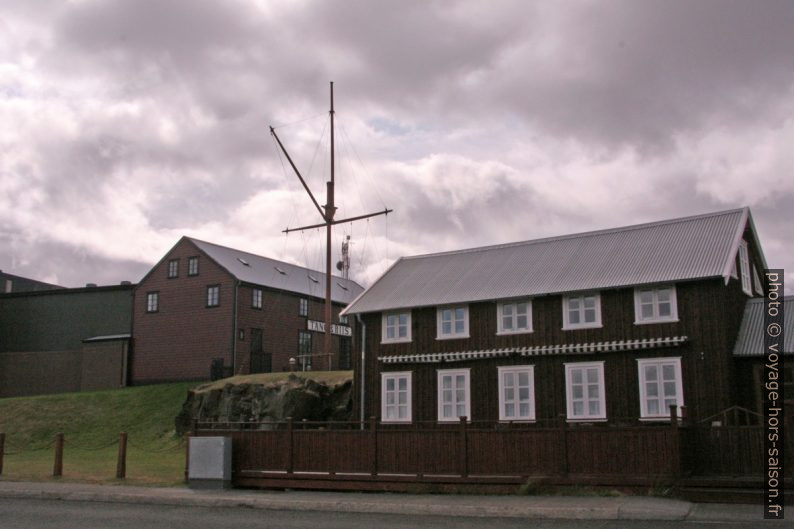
(581, 312)
(256, 298)
(660, 386)
(192, 266)
(395, 397)
(453, 394)
(584, 387)
(152, 301)
(514, 317)
(303, 307)
(213, 296)
(655, 305)
(744, 268)
(517, 393)
(395, 327)
(173, 268)
(452, 322)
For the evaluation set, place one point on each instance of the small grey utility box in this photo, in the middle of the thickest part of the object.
(210, 465)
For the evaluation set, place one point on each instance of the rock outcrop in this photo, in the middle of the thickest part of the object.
(296, 397)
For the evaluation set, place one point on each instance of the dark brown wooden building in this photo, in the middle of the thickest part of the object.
(611, 326)
(207, 310)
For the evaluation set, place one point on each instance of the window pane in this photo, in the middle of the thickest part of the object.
(389, 384)
(389, 397)
(590, 302)
(521, 308)
(653, 407)
(573, 304)
(646, 312)
(461, 410)
(576, 376)
(446, 328)
(577, 392)
(578, 408)
(390, 332)
(459, 314)
(669, 389)
(403, 384)
(668, 372)
(507, 322)
(663, 295)
(592, 391)
(460, 380)
(668, 403)
(403, 319)
(523, 393)
(650, 373)
(446, 395)
(510, 410)
(524, 410)
(446, 315)
(460, 395)
(590, 315)
(391, 320)
(592, 375)
(402, 397)
(507, 310)
(573, 317)
(446, 410)
(446, 381)
(665, 310)
(521, 322)
(646, 297)
(652, 389)
(523, 378)
(510, 394)
(594, 407)
(390, 412)
(403, 332)
(458, 326)
(509, 379)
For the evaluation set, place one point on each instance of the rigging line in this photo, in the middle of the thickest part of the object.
(317, 149)
(345, 143)
(286, 180)
(299, 121)
(366, 172)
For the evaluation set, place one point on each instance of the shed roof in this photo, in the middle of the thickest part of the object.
(260, 270)
(680, 249)
(750, 341)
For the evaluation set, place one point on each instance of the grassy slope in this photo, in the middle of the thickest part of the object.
(91, 421)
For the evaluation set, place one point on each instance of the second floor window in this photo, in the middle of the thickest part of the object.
(305, 350)
(303, 307)
(213, 296)
(152, 302)
(514, 317)
(653, 305)
(256, 298)
(173, 268)
(581, 312)
(452, 322)
(396, 327)
(192, 266)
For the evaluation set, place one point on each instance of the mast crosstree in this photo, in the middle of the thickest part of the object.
(327, 212)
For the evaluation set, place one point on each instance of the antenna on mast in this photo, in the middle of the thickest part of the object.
(344, 265)
(327, 212)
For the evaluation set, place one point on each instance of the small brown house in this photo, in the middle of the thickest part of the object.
(207, 310)
(611, 326)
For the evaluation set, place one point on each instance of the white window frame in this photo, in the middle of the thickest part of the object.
(453, 335)
(303, 307)
(213, 300)
(585, 417)
(454, 373)
(664, 411)
(744, 268)
(503, 401)
(757, 285)
(192, 266)
(256, 298)
(383, 395)
(384, 338)
(567, 325)
(152, 297)
(673, 317)
(173, 268)
(500, 330)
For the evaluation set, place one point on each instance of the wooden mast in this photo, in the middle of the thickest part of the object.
(327, 212)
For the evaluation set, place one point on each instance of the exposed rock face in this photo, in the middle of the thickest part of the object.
(299, 398)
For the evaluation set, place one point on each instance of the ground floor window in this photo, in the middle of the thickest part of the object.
(516, 393)
(453, 394)
(395, 397)
(660, 386)
(305, 350)
(584, 385)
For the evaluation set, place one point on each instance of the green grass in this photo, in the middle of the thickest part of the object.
(91, 423)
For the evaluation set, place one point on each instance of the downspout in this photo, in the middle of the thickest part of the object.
(234, 330)
(363, 341)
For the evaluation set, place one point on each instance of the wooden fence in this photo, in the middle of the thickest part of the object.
(373, 455)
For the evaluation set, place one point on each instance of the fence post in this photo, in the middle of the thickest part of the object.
(121, 464)
(676, 435)
(187, 455)
(2, 450)
(290, 447)
(57, 469)
(564, 465)
(464, 448)
(373, 443)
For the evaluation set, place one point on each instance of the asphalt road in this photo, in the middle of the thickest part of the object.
(46, 514)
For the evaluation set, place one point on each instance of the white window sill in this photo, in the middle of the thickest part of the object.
(509, 333)
(590, 419)
(586, 326)
(645, 322)
(403, 340)
(456, 419)
(453, 337)
(522, 421)
(660, 418)
(395, 421)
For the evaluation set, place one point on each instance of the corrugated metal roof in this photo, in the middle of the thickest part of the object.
(671, 250)
(260, 270)
(750, 341)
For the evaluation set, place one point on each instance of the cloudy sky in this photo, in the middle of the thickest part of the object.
(127, 124)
